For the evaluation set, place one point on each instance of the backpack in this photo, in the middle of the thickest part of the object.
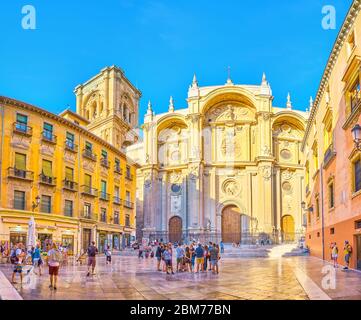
(56, 256)
(92, 251)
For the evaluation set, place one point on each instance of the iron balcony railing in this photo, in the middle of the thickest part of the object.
(117, 200)
(117, 169)
(116, 220)
(70, 185)
(103, 217)
(71, 146)
(105, 163)
(48, 180)
(48, 136)
(129, 176)
(329, 155)
(89, 191)
(20, 174)
(88, 215)
(22, 128)
(128, 204)
(89, 154)
(104, 196)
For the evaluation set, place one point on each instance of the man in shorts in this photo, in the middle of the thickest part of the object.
(347, 251)
(180, 256)
(92, 252)
(17, 257)
(199, 258)
(214, 256)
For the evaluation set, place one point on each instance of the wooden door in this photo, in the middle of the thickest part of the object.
(231, 225)
(288, 228)
(175, 229)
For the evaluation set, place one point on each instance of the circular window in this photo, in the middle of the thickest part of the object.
(176, 188)
(286, 154)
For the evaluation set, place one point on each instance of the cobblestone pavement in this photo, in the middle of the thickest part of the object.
(130, 278)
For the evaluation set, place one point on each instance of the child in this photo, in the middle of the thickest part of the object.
(108, 254)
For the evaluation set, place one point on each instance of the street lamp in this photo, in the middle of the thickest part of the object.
(36, 203)
(356, 133)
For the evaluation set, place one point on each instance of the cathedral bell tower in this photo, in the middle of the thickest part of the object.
(110, 102)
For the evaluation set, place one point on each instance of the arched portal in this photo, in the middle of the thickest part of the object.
(288, 228)
(231, 225)
(175, 229)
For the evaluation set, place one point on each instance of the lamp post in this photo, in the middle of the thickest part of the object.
(356, 133)
(36, 203)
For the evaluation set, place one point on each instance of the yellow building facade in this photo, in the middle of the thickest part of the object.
(228, 166)
(77, 185)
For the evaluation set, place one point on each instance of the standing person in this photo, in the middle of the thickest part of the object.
(214, 257)
(180, 256)
(92, 252)
(54, 260)
(17, 258)
(108, 255)
(167, 255)
(334, 254)
(158, 255)
(347, 251)
(199, 257)
(36, 258)
(222, 246)
(193, 256)
(205, 257)
(140, 252)
(188, 259)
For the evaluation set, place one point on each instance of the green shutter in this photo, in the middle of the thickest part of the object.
(87, 180)
(69, 174)
(20, 161)
(47, 168)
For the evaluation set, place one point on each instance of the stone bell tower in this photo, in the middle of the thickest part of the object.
(110, 102)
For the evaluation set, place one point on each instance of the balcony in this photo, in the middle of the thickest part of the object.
(330, 154)
(89, 155)
(89, 191)
(70, 146)
(49, 137)
(20, 174)
(88, 216)
(128, 204)
(70, 185)
(22, 129)
(47, 180)
(116, 220)
(105, 163)
(103, 217)
(104, 196)
(129, 176)
(117, 200)
(118, 169)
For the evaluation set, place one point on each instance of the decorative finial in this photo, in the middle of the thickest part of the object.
(171, 104)
(149, 110)
(264, 79)
(289, 103)
(229, 80)
(311, 102)
(194, 82)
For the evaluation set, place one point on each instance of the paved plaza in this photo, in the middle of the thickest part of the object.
(295, 278)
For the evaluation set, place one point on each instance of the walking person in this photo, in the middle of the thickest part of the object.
(222, 246)
(334, 254)
(54, 260)
(92, 252)
(188, 259)
(199, 258)
(167, 255)
(17, 258)
(158, 255)
(347, 251)
(214, 257)
(36, 258)
(108, 255)
(179, 256)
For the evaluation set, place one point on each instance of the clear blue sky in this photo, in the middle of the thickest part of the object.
(160, 44)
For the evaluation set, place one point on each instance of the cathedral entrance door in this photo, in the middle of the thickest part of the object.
(175, 229)
(288, 228)
(231, 225)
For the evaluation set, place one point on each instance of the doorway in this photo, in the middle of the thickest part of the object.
(231, 225)
(175, 229)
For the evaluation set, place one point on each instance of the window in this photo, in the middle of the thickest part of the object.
(307, 173)
(21, 122)
(128, 175)
(47, 170)
(104, 154)
(127, 220)
(327, 135)
(116, 191)
(19, 200)
(116, 217)
(355, 95)
(315, 157)
(358, 224)
(317, 208)
(357, 175)
(20, 165)
(318, 234)
(130, 117)
(48, 131)
(332, 231)
(117, 165)
(103, 215)
(87, 210)
(87, 180)
(69, 142)
(103, 185)
(331, 195)
(69, 174)
(127, 196)
(88, 146)
(46, 204)
(68, 208)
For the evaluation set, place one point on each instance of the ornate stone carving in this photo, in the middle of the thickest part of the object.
(231, 188)
(69, 157)
(47, 150)
(287, 175)
(21, 142)
(266, 172)
(175, 177)
(266, 151)
(228, 113)
(194, 172)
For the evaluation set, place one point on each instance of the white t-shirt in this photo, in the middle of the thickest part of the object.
(18, 252)
(53, 263)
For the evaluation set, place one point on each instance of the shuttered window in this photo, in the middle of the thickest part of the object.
(19, 200)
(46, 204)
(104, 186)
(87, 180)
(68, 208)
(20, 161)
(21, 119)
(47, 168)
(69, 174)
(357, 168)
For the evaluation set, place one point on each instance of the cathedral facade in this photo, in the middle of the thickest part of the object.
(226, 167)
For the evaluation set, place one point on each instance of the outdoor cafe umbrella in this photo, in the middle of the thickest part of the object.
(31, 233)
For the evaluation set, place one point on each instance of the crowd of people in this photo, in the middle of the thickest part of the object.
(347, 250)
